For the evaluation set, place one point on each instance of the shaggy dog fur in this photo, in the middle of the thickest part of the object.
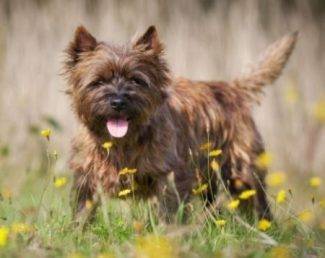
(157, 124)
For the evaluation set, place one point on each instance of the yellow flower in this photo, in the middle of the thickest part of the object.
(152, 246)
(264, 224)
(247, 194)
(280, 252)
(291, 95)
(306, 216)
(75, 255)
(315, 181)
(124, 192)
(20, 228)
(107, 145)
(60, 181)
(281, 196)
(220, 222)
(232, 205)
(319, 111)
(126, 171)
(106, 255)
(275, 178)
(46, 133)
(264, 160)
(214, 165)
(200, 189)
(88, 204)
(206, 146)
(4, 232)
(215, 153)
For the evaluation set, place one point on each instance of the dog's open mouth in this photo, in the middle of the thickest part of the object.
(117, 127)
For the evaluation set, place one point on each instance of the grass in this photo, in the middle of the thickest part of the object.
(126, 228)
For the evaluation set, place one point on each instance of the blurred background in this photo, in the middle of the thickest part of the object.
(206, 40)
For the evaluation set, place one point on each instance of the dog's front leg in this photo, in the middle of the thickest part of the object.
(174, 193)
(83, 199)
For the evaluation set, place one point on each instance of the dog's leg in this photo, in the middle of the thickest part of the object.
(248, 177)
(174, 193)
(82, 200)
(261, 203)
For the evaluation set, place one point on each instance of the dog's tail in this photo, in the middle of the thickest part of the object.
(269, 67)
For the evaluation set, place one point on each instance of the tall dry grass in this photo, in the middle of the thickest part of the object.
(204, 40)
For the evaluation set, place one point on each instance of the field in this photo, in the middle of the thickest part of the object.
(37, 222)
(205, 40)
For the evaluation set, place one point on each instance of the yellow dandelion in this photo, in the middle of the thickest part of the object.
(281, 196)
(214, 165)
(264, 224)
(88, 204)
(4, 232)
(232, 205)
(315, 181)
(107, 145)
(60, 181)
(200, 189)
(291, 95)
(306, 216)
(319, 111)
(20, 228)
(124, 192)
(264, 160)
(154, 246)
(106, 255)
(276, 178)
(75, 255)
(247, 194)
(126, 171)
(280, 251)
(46, 133)
(206, 146)
(220, 222)
(215, 153)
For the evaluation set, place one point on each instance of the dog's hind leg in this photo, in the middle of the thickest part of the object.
(261, 203)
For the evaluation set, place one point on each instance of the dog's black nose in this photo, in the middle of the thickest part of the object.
(117, 103)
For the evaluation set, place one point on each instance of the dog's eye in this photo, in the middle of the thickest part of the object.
(139, 81)
(97, 83)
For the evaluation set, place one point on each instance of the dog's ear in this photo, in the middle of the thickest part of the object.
(149, 41)
(83, 42)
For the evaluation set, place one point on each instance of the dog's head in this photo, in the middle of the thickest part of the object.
(116, 89)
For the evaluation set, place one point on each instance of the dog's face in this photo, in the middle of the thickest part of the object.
(116, 89)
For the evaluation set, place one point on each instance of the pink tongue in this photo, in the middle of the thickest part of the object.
(117, 127)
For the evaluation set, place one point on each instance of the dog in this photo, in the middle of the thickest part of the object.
(160, 130)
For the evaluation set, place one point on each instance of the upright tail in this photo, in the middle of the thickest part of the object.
(268, 68)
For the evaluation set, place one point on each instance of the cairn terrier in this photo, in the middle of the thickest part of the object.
(159, 129)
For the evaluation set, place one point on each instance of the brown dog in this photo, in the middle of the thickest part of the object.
(157, 125)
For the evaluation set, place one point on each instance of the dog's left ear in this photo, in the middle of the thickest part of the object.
(149, 41)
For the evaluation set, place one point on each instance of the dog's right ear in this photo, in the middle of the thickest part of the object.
(83, 42)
